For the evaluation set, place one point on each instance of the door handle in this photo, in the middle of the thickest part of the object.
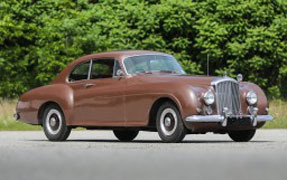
(88, 85)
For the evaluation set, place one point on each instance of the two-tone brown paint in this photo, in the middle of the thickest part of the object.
(126, 101)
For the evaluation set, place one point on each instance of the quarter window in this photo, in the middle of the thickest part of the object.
(81, 72)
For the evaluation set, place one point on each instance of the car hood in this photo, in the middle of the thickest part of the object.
(193, 80)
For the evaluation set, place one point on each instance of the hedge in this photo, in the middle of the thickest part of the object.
(38, 38)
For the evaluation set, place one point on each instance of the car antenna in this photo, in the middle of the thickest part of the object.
(207, 65)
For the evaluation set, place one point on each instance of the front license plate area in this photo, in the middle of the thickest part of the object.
(239, 122)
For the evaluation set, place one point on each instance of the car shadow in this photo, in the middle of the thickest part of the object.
(152, 141)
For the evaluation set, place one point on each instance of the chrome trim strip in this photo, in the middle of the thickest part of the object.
(219, 118)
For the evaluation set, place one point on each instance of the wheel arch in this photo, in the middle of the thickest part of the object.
(156, 105)
(43, 107)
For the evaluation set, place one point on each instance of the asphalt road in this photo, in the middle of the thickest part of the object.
(98, 155)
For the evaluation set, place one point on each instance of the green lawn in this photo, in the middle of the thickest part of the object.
(278, 109)
(7, 123)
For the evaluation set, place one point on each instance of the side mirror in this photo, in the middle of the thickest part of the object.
(119, 73)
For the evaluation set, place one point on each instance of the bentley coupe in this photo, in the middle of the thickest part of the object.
(132, 91)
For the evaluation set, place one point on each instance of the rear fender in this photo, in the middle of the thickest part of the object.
(30, 103)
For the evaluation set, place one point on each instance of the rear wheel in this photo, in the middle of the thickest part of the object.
(54, 124)
(169, 123)
(126, 135)
(242, 136)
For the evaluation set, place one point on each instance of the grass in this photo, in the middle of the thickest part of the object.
(7, 123)
(278, 108)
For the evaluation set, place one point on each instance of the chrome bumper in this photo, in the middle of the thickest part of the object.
(223, 119)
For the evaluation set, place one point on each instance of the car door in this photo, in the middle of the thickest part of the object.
(99, 100)
(139, 97)
(78, 80)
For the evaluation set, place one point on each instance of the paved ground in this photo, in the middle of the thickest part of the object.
(97, 155)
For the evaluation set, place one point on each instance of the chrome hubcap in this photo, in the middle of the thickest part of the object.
(168, 121)
(53, 121)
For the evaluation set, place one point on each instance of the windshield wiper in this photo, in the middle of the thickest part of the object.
(162, 71)
(146, 72)
(168, 71)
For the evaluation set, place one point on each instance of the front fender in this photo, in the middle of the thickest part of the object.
(188, 98)
(262, 103)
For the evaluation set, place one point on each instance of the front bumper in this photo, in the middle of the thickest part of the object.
(223, 119)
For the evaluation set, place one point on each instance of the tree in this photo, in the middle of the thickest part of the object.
(39, 38)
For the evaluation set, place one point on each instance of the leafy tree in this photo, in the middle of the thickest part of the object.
(39, 38)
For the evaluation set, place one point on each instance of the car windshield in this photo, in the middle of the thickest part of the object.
(152, 64)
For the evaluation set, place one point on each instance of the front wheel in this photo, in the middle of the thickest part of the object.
(126, 135)
(242, 136)
(169, 124)
(54, 124)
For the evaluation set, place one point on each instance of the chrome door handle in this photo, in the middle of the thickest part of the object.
(88, 85)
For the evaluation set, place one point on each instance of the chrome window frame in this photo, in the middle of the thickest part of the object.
(90, 68)
(89, 73)
(99, 59)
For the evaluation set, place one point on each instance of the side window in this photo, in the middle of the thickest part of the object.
(80, 72)
(102, 69)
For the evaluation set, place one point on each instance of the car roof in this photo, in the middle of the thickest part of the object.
(118, 54)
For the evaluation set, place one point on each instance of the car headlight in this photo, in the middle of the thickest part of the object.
(251, 98)
(209, 97)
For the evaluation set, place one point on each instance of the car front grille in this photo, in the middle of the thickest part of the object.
(227, 95)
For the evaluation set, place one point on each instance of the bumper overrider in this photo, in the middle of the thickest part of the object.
(224, 118)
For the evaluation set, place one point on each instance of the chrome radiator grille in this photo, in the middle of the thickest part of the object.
(227, 95)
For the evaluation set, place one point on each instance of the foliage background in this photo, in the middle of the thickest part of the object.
(38, 38)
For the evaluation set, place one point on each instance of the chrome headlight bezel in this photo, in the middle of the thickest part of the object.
(209, 97)
(251, 98)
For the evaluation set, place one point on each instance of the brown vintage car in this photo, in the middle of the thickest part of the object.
(132, 91)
